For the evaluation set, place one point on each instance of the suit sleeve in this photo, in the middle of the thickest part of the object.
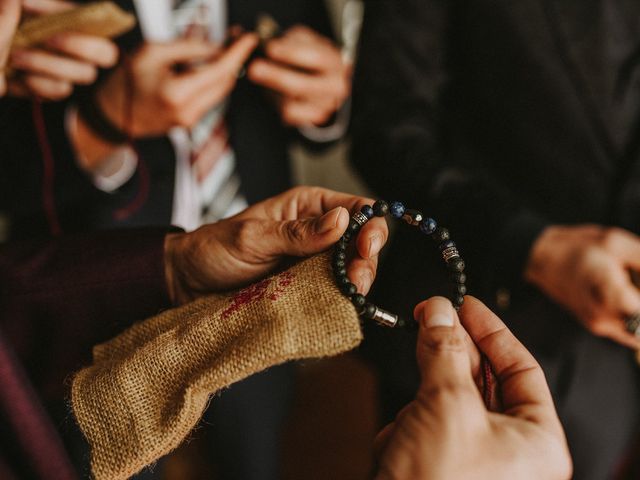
(60, 297)
(401, 143)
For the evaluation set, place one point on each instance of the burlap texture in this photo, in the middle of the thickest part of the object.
(103, 19)
(148, 387)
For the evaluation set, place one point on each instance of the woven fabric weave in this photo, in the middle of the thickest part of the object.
(148, 387)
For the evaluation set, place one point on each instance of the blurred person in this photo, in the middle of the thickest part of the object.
(517, 124)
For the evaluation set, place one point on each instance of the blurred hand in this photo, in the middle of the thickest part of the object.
(164, 97)
(308, 75)
(245, 248)
(447, 433)
(9, 17)
(67, 59)
(586, 270)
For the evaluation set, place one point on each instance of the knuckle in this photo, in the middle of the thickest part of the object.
(295, 232)
(445, 341)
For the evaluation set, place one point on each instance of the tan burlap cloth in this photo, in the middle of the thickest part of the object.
(148, 387)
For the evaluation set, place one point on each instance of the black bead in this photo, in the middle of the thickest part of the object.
(380, 208)
(354, 227)
(342, 280)
(441, 235)
(458, 277)
(367, 211)
(368, 311)
(460, 289)
(456, 264)
(457, 301)
(338, 265)
(349, 289)
(358, 300)
(347, 236)
(340, 272)
(339, 255)
(342, 244)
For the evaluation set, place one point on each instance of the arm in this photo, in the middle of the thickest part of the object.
(399, 145)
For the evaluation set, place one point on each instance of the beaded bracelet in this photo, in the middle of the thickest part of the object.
(441, 236)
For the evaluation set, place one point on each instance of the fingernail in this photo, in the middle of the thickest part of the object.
(438, 320)
(375, 244)
(328, 221)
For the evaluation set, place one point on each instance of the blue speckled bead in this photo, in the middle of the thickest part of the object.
(447, 244)
(428, 226)
(396, 209)
(367, 211)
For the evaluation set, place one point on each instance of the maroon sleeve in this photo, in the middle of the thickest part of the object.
(60, 297)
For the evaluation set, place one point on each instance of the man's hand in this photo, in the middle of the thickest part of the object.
(9, 17)
(447, 433)
(165, 91)
(242, 249)
(65, 60)
(586, 270)
(308, 75)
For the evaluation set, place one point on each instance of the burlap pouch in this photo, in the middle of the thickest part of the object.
(103, 19)
(148, 387)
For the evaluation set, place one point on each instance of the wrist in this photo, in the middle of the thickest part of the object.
(172, 246)
(539, 254)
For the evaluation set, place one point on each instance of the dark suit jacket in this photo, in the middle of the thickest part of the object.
(497, 118)
(57, 299)
(257, 135)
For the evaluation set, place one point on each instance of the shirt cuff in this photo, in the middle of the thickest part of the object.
(332, 132)
(121, 164)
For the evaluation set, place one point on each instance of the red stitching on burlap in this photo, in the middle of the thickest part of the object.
(258, 291)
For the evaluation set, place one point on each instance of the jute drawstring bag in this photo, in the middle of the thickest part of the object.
(148, 387)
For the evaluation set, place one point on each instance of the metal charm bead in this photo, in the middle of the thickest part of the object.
(633, 324)
(412, 217)
(384, 318)
(360, 218)
(450, 253)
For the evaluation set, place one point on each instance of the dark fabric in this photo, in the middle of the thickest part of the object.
(499, 118)
(58, 298)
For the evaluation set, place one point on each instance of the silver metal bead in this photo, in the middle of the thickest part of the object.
(412, 217)
(450, 253)
(385, 318)
(360, 218)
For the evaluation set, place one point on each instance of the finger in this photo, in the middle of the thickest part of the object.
(619, 295)
(175, 52)
(382, 439)
(625, 245)
(523, 386)
(206, 79)
(303, 113)
(443, 358)
(614, 329)
(47, 88)
(56, 67)
(195, 108)
(42, 7)
(288, 82)
(362, 273)
(307, 237)
(306, 50)
(304, 202)
(89, 48)
(17, 88)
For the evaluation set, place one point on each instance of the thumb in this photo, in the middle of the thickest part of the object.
(442, 353)
(306, 237)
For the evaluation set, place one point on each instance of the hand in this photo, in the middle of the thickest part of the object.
(9, 17)
(446, 432)
(242, 249)
(65, 60)
(308, 75)
(586, 270)
(163, 97)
